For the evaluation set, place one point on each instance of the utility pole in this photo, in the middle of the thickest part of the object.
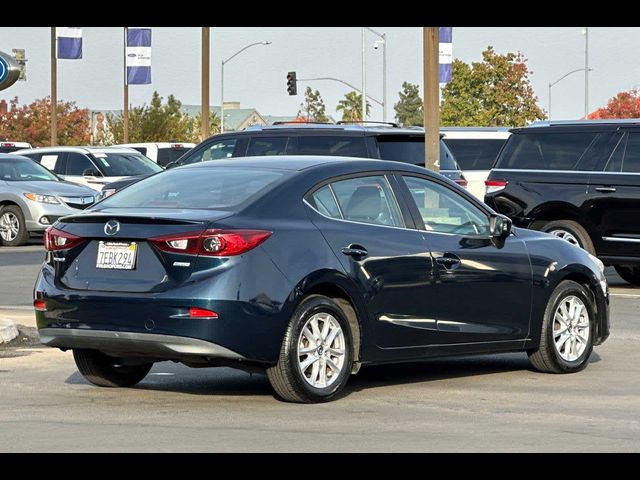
(204, 113)
(364, 75)
(431, 98)
(54, 89)
(586, 71)
(125, 115)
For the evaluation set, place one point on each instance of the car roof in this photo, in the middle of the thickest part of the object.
(329, 127)
(606, 124)
(157, 144)
(91, 150)
(475, 133)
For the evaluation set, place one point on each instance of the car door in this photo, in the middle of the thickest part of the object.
(614, 200)
(379, 248)
(483, 286)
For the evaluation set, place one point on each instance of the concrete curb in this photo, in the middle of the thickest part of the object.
(8, 330)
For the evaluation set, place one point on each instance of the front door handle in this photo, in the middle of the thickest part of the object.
(606, 189)
(448, 261)
(355, 251)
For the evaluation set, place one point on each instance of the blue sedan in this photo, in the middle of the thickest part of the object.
(308, 268)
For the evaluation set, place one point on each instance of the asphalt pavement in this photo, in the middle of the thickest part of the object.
(488, 403)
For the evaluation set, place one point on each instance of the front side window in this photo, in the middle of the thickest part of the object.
(77, 164)
(23, 170)
(445, 211)
(219, 150)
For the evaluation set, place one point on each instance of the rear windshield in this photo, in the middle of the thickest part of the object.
(194, 188)
(475, 153)
(545, 151)
(168, 155)
(411, 150)
(125, 164)
(9, 149)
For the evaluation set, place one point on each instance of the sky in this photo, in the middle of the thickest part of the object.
(257, 77)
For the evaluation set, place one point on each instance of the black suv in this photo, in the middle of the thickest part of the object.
(577, 180)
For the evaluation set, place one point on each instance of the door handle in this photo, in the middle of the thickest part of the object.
(448, 261)
(606, 189)
(355, 251)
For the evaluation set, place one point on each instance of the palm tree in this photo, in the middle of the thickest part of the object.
(351, 107)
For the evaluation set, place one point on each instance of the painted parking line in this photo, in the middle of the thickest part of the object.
(625, 295)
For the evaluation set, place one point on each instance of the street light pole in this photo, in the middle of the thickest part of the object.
(551, 84)
(383, 41)
(204, 100)
(222, 78)
(364, 76)
(586, 71)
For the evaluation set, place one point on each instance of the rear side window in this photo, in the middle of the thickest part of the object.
(368, 200)
(475, 153)
(342, 146)
(325, 202)
(410, 149)
(195, 188)
(168, 155)
(263, 146)
(631, 163)
(545, 151)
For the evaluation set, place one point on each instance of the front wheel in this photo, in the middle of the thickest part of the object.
(316, 355)
(105, 371)
(566, 338)
(13, 229)
(629, 274)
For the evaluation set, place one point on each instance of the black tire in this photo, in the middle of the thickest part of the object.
(23, 234)
(630, 274)
(286, 377)
(571, 227)
(104, 371)
(546, 357)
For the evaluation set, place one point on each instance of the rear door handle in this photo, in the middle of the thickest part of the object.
(448, 261)
(606, 189)
(355, 251)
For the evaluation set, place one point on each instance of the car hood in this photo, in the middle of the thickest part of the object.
(56, 188)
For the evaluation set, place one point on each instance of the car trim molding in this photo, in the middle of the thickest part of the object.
(590, 172)
(621, 239)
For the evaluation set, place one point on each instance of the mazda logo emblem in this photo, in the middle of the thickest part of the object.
(112, 227)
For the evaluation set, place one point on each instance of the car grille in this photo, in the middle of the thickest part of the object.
(79, 202)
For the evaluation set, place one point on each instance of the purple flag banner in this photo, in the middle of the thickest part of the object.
(446, 54)
(69, 42)
(139, 56)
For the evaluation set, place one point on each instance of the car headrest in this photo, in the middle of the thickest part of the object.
(365, 203)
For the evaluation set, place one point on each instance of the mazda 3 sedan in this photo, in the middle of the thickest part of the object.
(307, 268)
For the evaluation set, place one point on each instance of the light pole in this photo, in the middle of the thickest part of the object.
(557, 81)
(585, 32)
(222, 78)
(364, 75)
(376, 44)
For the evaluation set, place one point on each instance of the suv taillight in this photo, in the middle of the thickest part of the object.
(493, 186)
(55, 240)
(462, 182)
(212, 243)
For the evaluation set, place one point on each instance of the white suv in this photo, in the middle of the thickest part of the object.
(10, 147)
(161, 153)
(475, 149)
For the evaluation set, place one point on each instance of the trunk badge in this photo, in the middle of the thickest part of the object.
(112, 227)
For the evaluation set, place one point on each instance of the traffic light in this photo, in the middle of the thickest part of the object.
(292, 83)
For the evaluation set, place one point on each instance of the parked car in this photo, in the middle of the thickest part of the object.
(381, 142)
(8, 147)
(162, 153)
(94, 167)
(578, 180)
(476, 150)
(32, 199)
(308, 268)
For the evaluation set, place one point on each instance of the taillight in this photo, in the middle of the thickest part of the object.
(55, 240)
(195, 312)
(40, 305)
(7, 144)
(212, 243)
(493, 186)
(462, 182)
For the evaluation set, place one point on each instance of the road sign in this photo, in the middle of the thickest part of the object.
(9, 70)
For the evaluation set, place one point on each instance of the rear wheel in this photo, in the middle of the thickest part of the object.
(570, 231)
(13, 229)
(105, 371)
(629, 274)
(566, 338)
(316, 355)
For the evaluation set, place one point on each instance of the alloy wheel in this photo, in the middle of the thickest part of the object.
(321, 350)
(566, 235)
(571, 328)
(9, 226)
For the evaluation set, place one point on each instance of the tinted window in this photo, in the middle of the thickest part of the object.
(125, 164)
(76, 163)
(410, 149)
(142, 150)
(445, 211)
(194, 188)
(545, 151)
(475, 153)
(23, 170)
(368, 200)
(631, 161)
(325, 203)
(262, 146)
(9, 149)
(168, 155)
(214, 151)
(329, 145)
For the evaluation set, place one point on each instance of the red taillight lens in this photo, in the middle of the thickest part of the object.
(212, 243)
(493, 186)
(462, 182)
(40, 305)
(55, 240)
(196, 312)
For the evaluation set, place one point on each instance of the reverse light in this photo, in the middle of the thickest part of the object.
(212, 243)
(40, 305)
(35, 197)
(55, 240)
(493, 186)
(195, 312)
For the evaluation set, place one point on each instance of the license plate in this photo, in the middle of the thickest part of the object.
(117, 255)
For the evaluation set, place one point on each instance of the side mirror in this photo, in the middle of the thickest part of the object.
(500, 226)
(91, 172)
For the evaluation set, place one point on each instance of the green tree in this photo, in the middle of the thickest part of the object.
(494, 92)
(409, 110)
(156, 122)
(351, 107)
(313, 108)
(214, 126)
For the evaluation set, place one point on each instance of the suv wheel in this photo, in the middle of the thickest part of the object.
(630, 274)
(317, 353)
(13, 229)
(105, 371)
(566, 338)
(570, 231)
